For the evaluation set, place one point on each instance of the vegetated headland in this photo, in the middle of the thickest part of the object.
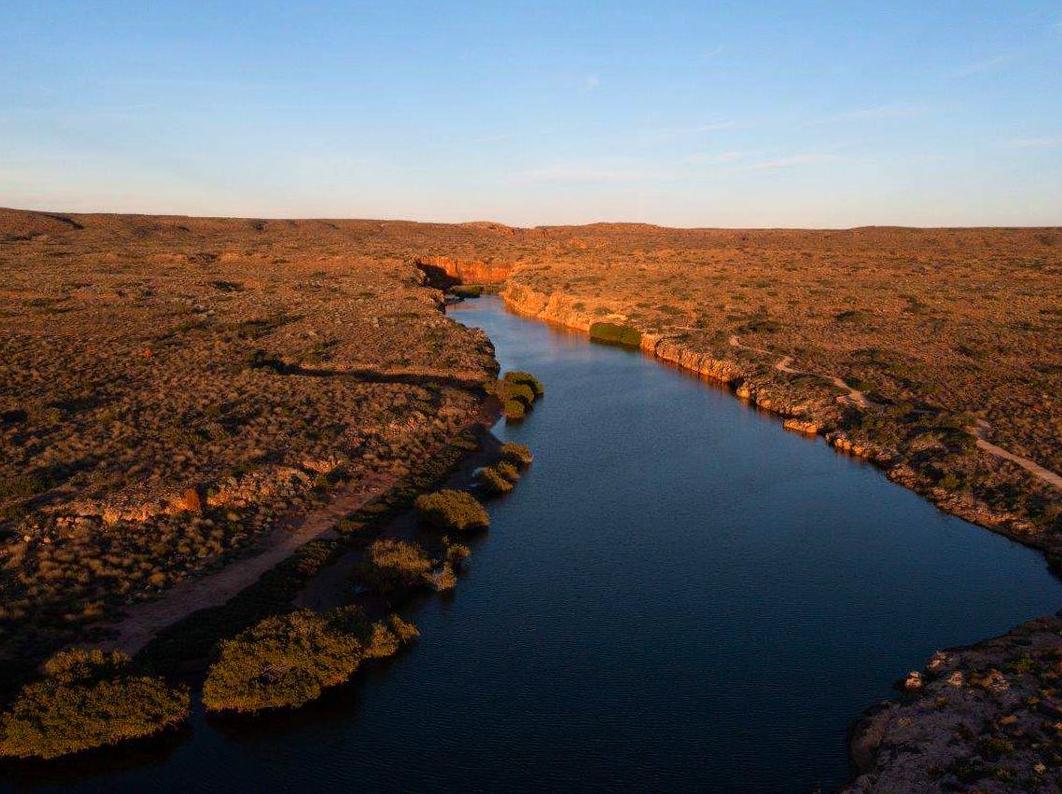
(184, 396)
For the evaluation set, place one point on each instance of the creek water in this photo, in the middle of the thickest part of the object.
(679, 595)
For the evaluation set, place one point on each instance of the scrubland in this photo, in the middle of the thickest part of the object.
(899, 345)
(173, 391)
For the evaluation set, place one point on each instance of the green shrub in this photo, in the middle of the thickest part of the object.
(396, 565)
(514, 410)
(466, 290)
(288, 660)
(385, 637)
(493, 481)
(950, 482)
(508, 471)
(519, 392)
(452, 510)
(613, 334)
(526, 379)
(519, 454)
(88, 699)
(25, 485)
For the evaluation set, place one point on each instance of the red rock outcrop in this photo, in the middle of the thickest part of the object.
(460, 271)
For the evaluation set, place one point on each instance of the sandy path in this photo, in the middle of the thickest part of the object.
(1030, 466)
(143, 621)
(784, 365)
(860, 399)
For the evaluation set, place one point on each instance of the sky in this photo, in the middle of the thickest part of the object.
(736, 114)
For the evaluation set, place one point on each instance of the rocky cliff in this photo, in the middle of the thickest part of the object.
(449, 270)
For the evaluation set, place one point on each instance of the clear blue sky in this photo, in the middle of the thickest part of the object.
(691, 114)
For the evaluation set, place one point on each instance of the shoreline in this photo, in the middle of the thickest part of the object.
(145, 621)
(184, 645)
(874, 743)
(734, 378)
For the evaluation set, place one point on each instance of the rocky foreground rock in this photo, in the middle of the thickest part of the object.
(985, 718)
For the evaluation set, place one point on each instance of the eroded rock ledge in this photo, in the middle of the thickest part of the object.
(808, 404)
(986, 718)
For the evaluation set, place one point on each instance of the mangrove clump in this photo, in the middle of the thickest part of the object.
(519, 376)
(395, 565)
(452, 511)
(615, 334)
(517, 391)
(286, 661)
(520, 454)
(499, 478)
(88, 699)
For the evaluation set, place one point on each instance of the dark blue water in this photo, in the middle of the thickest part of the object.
(679, 595)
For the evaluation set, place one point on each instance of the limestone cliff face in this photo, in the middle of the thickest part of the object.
(718, 369)
(553, 307)
(748, 382)
(461, 271)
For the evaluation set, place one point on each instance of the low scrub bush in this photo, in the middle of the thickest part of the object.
(466, 290)
(396, 565)
(288, 660)
(519, 454)
(521, 377)
(452, 510)
(614, 334)
(514, 410)
(88, 699)
(493, 481)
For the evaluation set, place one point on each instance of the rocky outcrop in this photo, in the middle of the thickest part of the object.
(984, 718)
(717, 369)
(817, 411)
(552, 307)
(804, 426)
(460, 271)
(747, 381)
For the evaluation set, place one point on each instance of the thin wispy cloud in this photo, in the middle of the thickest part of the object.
(591, 82)
(715, 159)
(792, 161)
(983, 66)
(586, 174)
(499, 138)
(1035, 143)
(878, 112)
(711, 126)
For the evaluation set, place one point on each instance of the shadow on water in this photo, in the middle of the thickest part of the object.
(81, 768)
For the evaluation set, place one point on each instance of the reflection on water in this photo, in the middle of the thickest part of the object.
(678, 595)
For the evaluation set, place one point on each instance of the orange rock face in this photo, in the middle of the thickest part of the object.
(466, 271)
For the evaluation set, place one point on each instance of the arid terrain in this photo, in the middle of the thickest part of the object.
(181, 395)
(935, 353)
(177, 391)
